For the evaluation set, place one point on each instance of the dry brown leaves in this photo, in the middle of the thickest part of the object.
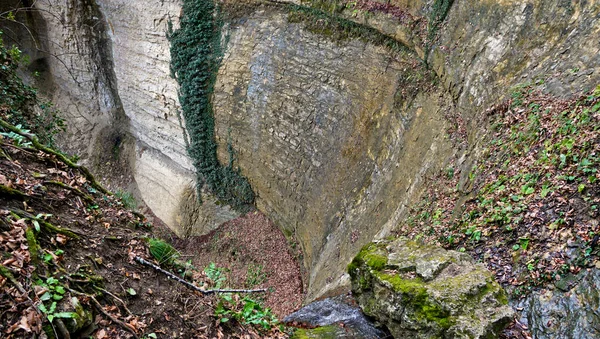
(529, 210)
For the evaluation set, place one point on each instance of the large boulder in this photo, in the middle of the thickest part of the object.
(423, 291)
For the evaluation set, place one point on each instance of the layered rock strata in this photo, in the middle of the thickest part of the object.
(322, 128)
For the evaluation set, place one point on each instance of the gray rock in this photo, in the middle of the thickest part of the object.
(332, 311)
(570, 315)
(422, 291)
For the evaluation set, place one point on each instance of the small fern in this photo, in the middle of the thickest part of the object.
(162, 251)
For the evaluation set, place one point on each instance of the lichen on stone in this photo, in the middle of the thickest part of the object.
(427, 291)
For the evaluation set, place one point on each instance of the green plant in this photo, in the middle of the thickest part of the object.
(162, 251)
(49, 256)
(55, 291)
(195, 57)
(126, 199)
(524, 243)
(474, 233)
(255, 275)
(216, 274)
(247, 311)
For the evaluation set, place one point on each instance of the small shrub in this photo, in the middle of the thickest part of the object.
(245, 311)
(162, 251)
(127, 199)
(216, 274)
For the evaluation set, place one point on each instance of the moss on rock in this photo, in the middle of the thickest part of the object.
(427, 291)
(324, 332)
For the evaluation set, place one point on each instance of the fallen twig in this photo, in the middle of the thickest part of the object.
(71, 188)
(35, 142)
(192, 286)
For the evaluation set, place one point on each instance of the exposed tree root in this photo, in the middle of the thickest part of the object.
(114, 297)
(35, 142)
(70, 188)
(192, 286)
(34, 247)
(62, 329)
(7, 273)
(48, 226)
(5, 190)
(4, 155)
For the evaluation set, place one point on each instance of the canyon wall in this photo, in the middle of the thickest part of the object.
(336, 135)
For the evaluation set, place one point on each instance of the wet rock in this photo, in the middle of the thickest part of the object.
(567, 315)
(327, 314)
(422, 291)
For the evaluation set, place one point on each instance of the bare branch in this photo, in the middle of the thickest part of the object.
(192, 286)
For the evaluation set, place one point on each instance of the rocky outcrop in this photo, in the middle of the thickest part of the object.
(324, 135)
(336, 135)
(570, 313)
(107, 70)
(337, 317)
(421, 291)
(332, 151)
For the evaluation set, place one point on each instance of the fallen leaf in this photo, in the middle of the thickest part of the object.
(101, 334)
(61, 239)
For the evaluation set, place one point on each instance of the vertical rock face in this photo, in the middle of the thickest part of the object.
(140, 48)
(332, 135)
(109, 61)
(83, 86)
(319, 129)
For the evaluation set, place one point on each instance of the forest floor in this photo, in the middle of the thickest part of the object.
(69, 270)
(529, 209)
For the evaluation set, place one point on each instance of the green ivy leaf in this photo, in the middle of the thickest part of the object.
(45, 297)
(67, 315)
(36, 225)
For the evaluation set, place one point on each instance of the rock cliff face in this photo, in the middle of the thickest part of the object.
(335, 135)
(109, 62)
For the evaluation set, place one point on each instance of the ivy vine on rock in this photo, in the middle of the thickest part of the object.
(196, 53)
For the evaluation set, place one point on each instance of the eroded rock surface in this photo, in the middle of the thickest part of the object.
(422, 291)
(345, 319)
(570, 314)
(319, 126)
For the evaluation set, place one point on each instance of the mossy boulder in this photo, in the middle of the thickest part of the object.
(423, 291)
